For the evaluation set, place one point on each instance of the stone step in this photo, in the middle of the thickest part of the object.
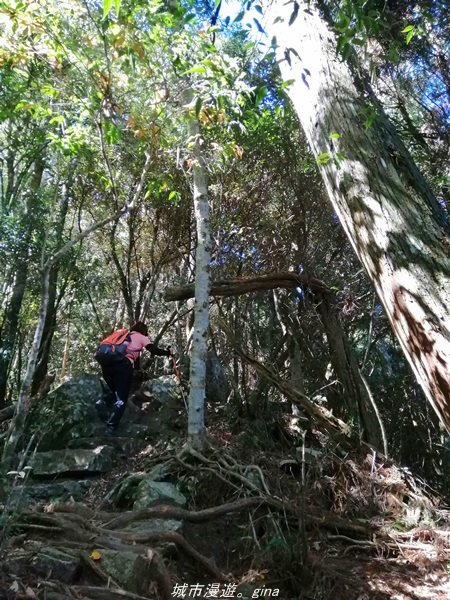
(62, 490)
(72, 462)
(123, 446)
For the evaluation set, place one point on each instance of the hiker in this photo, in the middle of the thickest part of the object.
(118, 373)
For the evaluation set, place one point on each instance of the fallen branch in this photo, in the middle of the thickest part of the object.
(336, 428)
(245, 285)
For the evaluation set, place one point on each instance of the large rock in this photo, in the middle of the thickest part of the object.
(163, 389)
(138, 431)
(76, 409)
(128, 569)
(72, 461)
(68, 412)
(150, 526)
(150, 492)
(141, 490)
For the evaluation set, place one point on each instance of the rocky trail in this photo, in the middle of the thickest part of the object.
(261, 513)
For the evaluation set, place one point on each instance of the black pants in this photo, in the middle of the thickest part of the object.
(118, 377)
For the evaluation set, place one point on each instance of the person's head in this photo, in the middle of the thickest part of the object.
(140, 327)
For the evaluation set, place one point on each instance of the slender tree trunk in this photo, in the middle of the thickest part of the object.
(385, 207)
(47, 334)
(10, 327)
(65, 360)
(125, 285)
(197, 376)
(18, 421)
(8, 334)
(50, 318)
(346, 367)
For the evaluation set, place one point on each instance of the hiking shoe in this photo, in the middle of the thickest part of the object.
(110, 432)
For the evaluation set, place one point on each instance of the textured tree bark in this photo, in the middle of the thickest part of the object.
(197, 376)
(385, 207)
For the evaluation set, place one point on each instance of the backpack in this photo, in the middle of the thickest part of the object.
(112, 349)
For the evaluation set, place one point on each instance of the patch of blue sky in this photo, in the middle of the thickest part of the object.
(228, 251)
(249, 15)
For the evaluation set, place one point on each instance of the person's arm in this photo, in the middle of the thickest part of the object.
(157, 351)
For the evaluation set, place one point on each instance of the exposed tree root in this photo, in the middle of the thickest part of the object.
(77, 526)
(95, 535)
(232, 468)
(84, 529)
(328, 521)
(193, 516)
(101, 593)
(161, 574)
(176, 538)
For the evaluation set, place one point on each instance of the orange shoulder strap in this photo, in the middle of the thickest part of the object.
(116, 337)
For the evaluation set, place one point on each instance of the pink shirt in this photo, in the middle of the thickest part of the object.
(138, 341)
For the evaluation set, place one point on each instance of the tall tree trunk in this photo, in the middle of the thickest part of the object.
(9, 330)
(10, 326)
(197, 376)
(47, 334)
(17, 424)
(125, 285)
(50, 317)
(387, 210)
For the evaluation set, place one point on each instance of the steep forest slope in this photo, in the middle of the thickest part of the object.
(153, 168)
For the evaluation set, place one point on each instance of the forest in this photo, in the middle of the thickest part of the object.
(266, 186)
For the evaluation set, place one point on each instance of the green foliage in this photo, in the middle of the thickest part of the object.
(410, 31)
(323, 158)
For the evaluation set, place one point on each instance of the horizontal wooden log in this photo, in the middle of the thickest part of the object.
(246, 285)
